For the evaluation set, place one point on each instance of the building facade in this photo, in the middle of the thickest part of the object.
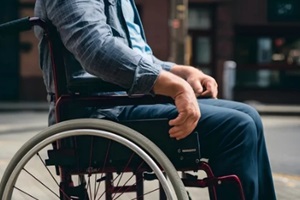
(260, 36)
(20, 76)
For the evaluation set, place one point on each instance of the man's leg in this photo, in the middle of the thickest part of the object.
(266, 186)
(228, 138)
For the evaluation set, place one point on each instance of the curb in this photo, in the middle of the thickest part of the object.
(285, 110)
(289, 110)
(24, 106)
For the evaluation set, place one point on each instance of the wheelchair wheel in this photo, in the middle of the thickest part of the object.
(95, 159)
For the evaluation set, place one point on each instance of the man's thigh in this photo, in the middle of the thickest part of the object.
(156, 111)
(215, 117)
(214, 113)
(218, 122)
(236, 106)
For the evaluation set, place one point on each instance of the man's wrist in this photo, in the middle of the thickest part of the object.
(169, 84)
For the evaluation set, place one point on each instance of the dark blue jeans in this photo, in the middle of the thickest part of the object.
(231, 137)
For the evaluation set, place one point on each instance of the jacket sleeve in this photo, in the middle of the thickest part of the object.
(164, 64)
(83, 29)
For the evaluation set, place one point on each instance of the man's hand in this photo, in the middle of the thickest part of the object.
(202, 84)
(186, 103)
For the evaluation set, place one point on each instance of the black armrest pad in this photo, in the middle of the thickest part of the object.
(85, 83)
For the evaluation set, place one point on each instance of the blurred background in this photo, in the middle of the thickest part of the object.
(251, 47)
(259, 38)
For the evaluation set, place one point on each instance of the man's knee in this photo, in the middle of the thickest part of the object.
(247, 132)
(253, 113)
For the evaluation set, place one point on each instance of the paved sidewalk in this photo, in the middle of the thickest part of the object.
(275, 109)
(287, 186)
(19, 118)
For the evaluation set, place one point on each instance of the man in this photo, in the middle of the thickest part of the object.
(107, 39)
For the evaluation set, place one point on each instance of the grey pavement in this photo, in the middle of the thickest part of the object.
(19, 123)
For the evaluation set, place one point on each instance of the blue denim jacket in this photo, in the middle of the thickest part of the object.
(95, 32)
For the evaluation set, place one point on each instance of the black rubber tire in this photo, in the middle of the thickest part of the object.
(95, 124)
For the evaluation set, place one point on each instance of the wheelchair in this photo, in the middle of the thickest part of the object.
(84, 158)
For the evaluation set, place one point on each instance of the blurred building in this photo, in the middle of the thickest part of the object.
(261, 36)
(20, 77)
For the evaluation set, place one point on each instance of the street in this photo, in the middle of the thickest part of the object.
(282, 136)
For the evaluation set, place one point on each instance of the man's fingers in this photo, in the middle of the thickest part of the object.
(197, 87)
(188, 112)
(180, 119)
(211, 90)
(210, 94)
(181, 131)
(179, 135)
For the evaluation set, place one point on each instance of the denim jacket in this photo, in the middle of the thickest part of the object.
(95, 33)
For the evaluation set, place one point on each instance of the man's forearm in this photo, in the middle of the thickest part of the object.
(185, 101)
(184, 71)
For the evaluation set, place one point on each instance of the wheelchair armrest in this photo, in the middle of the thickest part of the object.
(86, 89)
(82, 82)
(111, 100)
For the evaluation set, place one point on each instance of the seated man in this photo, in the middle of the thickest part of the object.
(107, 39)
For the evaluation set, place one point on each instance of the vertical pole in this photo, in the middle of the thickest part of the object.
(229, 74)
(178, 27)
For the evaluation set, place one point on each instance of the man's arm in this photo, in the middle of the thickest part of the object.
(83, 30)
(185, 100)
(202, 84)
(85, 33)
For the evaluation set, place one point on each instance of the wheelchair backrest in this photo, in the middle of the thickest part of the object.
(69, 76)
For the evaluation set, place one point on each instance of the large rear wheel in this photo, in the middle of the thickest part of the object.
(90, 159)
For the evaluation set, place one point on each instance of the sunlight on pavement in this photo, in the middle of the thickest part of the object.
(287, 186)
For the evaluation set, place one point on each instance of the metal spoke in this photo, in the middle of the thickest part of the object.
(25, 193)
(40, 182)
(47, 169)
(146, 193)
